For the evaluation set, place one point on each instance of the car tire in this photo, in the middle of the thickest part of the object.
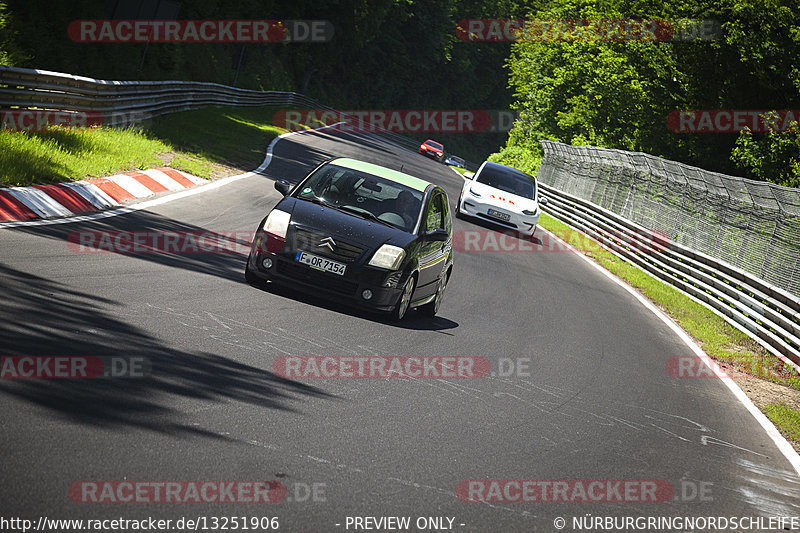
(251, 278)
(430, 309)
(459, 214)
(404, 302)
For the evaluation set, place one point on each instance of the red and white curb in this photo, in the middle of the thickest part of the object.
(85, 196)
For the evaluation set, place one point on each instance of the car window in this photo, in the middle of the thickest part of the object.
(390, 201)
(507, 180)
(434, 216)
(448, 223)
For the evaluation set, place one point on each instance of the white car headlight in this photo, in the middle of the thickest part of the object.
(277, 223)
(388, 257)
(473, 193)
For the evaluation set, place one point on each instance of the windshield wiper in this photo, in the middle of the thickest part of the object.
(349, 210)
(365, 214)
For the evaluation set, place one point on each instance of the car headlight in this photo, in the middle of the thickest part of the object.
(277, 223)
(388, 257)
(473, 193)
(529, 212)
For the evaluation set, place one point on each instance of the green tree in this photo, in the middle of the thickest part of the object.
(9, 52)
(766, 36)
(619, 94)
(773, 156)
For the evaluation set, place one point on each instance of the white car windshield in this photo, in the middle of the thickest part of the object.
(507, 180)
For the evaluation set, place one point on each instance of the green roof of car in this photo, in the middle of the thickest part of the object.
(383, 172)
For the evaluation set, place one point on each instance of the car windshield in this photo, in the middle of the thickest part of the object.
(366, 195)
(507, 180)
(433, 144)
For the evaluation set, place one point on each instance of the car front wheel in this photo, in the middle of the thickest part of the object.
(251, 278)
(431, 308)
(404, 302)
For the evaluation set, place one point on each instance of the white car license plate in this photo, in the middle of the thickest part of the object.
(498, 214)
(321, 263)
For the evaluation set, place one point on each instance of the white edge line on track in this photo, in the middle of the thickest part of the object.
(783, 445)
(164, 199)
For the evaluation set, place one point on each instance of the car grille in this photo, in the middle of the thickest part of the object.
(309, 241)
(331, 282)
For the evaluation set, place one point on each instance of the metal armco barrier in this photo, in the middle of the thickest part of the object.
(124, 103)
(769, 315)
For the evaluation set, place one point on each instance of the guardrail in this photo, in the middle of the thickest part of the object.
(121, 102)
(769, 315)
(124, 103)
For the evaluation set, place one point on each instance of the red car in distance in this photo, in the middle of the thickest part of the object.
(432, 149)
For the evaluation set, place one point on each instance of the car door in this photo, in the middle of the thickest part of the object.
(432, 254)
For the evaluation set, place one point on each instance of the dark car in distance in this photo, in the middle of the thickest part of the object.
(359, 233)
(455, 161)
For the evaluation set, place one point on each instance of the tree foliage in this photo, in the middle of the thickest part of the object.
(619, 94)
(9, 52)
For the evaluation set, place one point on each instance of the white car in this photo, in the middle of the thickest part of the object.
(502, 195)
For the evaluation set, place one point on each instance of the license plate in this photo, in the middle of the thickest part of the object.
(498, 214)
(321, 263)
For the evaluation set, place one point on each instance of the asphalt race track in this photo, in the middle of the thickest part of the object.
(595, 401)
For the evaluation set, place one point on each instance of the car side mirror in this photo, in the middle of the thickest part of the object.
(283, 187)
(542, 200)
(437, 235)
(468, 175)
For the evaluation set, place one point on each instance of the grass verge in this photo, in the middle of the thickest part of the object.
(786, 419)
(460, 170)
(207, 142)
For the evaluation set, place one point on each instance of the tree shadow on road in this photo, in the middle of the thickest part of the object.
(220, 252)
(41, 317)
